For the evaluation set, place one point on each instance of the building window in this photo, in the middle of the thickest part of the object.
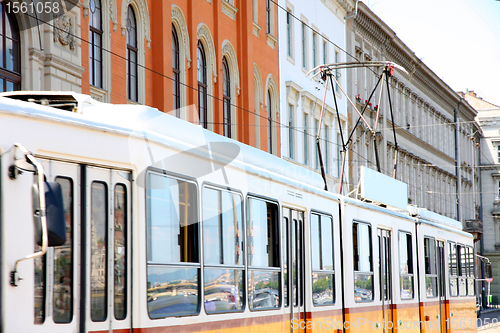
(323, 274)
(10, 43)
(315, 49)
(304, 46)
(202, 85)
(226, 93)
(95, 47)
(337, 71)
(316, 122)
(405, 265)
(132, 86)
(306, 141)
(289, 23)
(269, 124)
(498, 153)
(363, 262)
(176, 89)
(268, 16)
(325, 52)
(327, 146)
(290, 131)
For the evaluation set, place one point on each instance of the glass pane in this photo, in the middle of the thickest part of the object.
(462, 286)
(172, 220)
(362, 247)
(470, 287)
(98, 252)
(431, 286)
(326, 243)
(263, 289)
(223, 290)
(452, 259)
(405, 253)
(454, 286)
(463, 266)
(315, 242)
(9, 54)
(430, 256)
(120, 251)
(232, 219)
(323, 292)
(63, 261)
(40, 290)
(286, 244)
(363, 287)
(172, 291)
(263, 240)
(471, 262)
(406, 283)
(211, 226)
(2, 88)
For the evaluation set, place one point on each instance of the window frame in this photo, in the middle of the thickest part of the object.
(8, 75)
(279, 245)
(95, 32)
(462, 268)
(471, 274)
(409, 259)
(321, 270)
(372, 272)
(226, 96)
(243, 266)
(202, 85)
(127, 264)
(176, 72)
(431, 275)
(450, 275)
(132, 49)
(269, 110)
(198, 265)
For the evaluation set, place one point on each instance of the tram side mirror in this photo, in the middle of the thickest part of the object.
(56, 224)
(487, 270)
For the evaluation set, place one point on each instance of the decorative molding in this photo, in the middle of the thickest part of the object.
(203, 34)
(258, 87)
(179, 21)
(142, 11)
(229, 9)
(228, 51)
(256, 29)
(63, 31)
(98, 94)
(271, 41)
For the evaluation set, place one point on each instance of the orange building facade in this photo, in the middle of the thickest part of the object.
(214, 62)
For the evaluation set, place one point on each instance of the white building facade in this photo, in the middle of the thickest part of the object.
(311, 33)
(435, 128)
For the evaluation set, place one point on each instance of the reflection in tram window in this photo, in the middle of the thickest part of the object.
(62, 310)
(172, 291)
(286, 245)
(470, 275)
(453, 268)
(263, 255)
(462, 270)
(120, 250)
(222, 241)
(322, 259)
(40, 285)
(405, 265)
(98, 252)
(363, 267)
(172, 241)
(430, 267)
(223, 290)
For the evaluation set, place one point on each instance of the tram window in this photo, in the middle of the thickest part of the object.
(173, 267)
(453, 268)
(470, 275)
(431, 286)
(40, 285)
(222, 242)
(264, 290)
(98, 252)
(363, 266)
(62, 311)
(405, 265)
(322, 259)
(462, 270)
(286, 244)
(120, 252)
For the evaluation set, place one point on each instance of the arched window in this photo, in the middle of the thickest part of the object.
(269, 124)
(176, 73)
(10, 59)
(132, 87)
(226, 93)
(202, 85)
(95, 47)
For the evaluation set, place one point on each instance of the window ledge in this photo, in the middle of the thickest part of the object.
(98, 94)
(133, 102)
(290, 59)
(256, 29)
(229, 9)
(271, 41)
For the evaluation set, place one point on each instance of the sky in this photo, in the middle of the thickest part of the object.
(459, 40)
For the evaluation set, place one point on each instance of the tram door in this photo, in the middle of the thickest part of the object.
(106, 250)
(441, 285)
(293, 262)
(384, 243)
